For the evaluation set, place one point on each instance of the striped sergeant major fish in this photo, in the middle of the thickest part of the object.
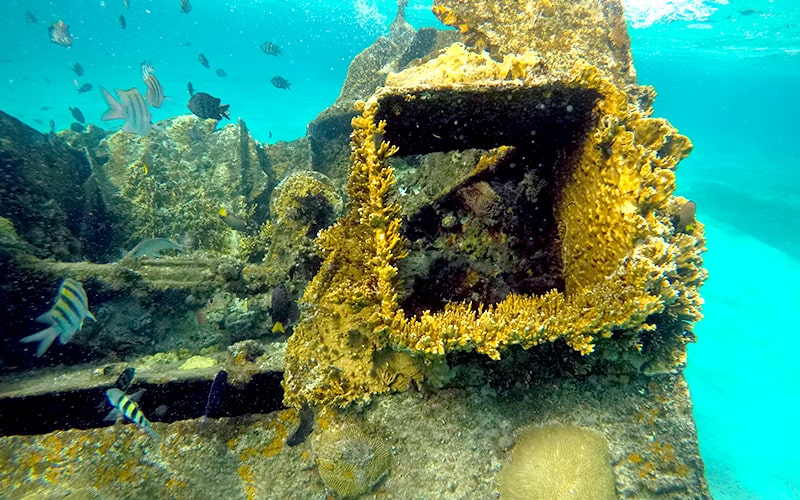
(65, 317)
(154, 93)
(132, 108)
(126, 406)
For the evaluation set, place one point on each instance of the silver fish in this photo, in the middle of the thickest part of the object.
(133, 109)
(59, 33)
(65, 317)
(155, 93)
(153, 248)
(126, 406)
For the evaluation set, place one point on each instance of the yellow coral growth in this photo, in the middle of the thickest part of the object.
(340, 353)
(625, 267)
(562, 32)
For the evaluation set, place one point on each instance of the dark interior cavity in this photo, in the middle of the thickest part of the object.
(493, 231)
(169, 402)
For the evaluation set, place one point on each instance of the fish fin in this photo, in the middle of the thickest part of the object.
(113, 415)
(90, 315)
(46, 318)
(45, 338)
(115, 110)
(136, 396)
(278, 327)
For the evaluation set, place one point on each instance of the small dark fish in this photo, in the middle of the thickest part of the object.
(52, 127)
(77, 114)
(186, 6)
(304, 428)
(45, 108)
(234, 222)
(203, 60)
(76, 127)
(30, 17)
(78, 69)
(280, 308)
(270, 49)
(126, 4)
(686, 218)
(215, 393)
(270, 134)
(155, 93)
(221, 72)
(122, 22)
(748, 12)
(59, 33)
(207, 106)
(186, 43)
(190, 88)
(125, 378)
(281, 83)
(86, 87)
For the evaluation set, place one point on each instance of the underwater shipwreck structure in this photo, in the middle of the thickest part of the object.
(490, 263)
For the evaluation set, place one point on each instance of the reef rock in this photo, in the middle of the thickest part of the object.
(44, 193)
(173, 182)
(328, 133)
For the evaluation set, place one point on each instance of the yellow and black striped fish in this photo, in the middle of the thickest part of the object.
(65, 317)
(126, 406)
(155, 93)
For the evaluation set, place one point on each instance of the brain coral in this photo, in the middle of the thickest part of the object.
(350, 462)
(559, 462)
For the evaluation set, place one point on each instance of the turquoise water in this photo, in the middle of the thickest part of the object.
(732, 87)
(318, 39)
(727, 74)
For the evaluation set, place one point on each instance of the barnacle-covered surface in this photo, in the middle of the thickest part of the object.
(561, 32)
(451, 446)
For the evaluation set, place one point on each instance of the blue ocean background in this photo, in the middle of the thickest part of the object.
(727, 74)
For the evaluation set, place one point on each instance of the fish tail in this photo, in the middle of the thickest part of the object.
(278, 327)
(115, 110)
(45, 338)
(152, 432)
